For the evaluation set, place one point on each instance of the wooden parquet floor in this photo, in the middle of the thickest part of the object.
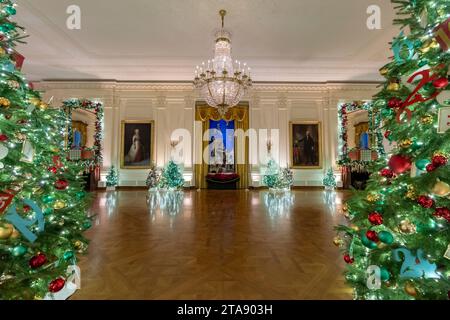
(220, 245)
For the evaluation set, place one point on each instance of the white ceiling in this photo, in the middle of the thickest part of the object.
(282, 40)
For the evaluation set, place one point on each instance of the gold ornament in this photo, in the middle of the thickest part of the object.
(4, 102)
(434, 44)
(54, 149)
(43, 106)
(381, 245)
(78, 244)
(428, 119)
(410, 289)
(59, 204)
(441, 189)
(372, 197)
(426, 46)
(38, 191)
(345, 207)
(354, 227)
(15, 234)
(393, 86)
(338, 242)
(384, 71)
(34, 101)
(405, 143)
(2, 51)
(411, 193)
(407, 227)
(6, 231)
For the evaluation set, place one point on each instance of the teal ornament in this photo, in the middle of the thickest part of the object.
(386, 237)
(48, 211)
(80, 195)
(19, 251)
(415, 265)
(403, 49)
(68, 255)
(384, 274)
(87, 225)
(422, 164)
(48, 198)
(366, 242)
(423, 62)
(10, 10)
(8, 66)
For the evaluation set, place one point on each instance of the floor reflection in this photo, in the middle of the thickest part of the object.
(329, 198)
(166, 202)
(278, 203)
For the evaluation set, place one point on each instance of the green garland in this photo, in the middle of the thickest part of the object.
(97, 106)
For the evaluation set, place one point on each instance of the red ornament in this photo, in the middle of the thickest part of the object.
(440, 83)
(387, 133)
(375, 218)
(3, 137)
(387, 173)
(53, 169)
(399, 163)
(439, 161)
(348, 259)
(443, 213)
(61, 184)
(37, 261)
(372, 236)
(394, 103)
(56, 285)
(425, 201)
(26, 208)
(430, 167)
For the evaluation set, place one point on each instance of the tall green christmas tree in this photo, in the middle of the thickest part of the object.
(171, 177)
(397, 244)
(42, 203)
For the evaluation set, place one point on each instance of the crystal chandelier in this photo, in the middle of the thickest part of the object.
(222, 83)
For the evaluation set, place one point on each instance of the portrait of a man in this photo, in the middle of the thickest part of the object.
(305, 145)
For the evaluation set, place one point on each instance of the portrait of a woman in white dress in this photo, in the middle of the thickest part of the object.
(136, 144)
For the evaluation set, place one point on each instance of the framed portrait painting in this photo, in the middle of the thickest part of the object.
(305, 144)
(136, 147)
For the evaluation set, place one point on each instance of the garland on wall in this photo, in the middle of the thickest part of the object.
(97, 107)
(374, 129)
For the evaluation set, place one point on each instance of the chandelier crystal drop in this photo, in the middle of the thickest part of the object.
(222, 82)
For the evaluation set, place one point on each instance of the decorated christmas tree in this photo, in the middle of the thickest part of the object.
(111, 178)
(397, 244)
(42, 202)
(171, 177)
(329, 181)
(152, 177)
(275, 177)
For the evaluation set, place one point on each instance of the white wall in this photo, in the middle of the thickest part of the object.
(172, 106)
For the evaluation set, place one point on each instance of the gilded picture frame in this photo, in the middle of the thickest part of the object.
(137, 144)
(305, 145)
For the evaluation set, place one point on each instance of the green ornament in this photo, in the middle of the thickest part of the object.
(87, 225)
(68, 255)
(19, 251)
(422, 164)
(10, 10)
(366, 242)
(48, 198)
(384, 274)
(386, 113)
(386, 237)
(48, 211)
(80, 195)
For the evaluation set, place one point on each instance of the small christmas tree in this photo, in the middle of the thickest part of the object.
(152, 177)
(277, 178)
(329, 181)
(111, 178)
(270, 177)
(171, 177)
